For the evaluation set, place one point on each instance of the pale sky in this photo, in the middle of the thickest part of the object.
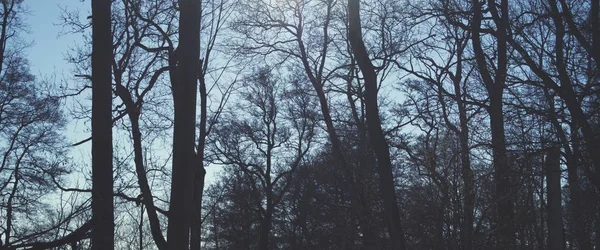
(47, 56)
(47, 53)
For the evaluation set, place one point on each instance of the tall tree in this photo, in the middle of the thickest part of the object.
(376, 134)
(495, 84)
(102, 151)
(184, 99)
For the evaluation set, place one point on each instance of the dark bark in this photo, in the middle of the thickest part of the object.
(505, 231)
(376, 135)
(200, 171)
(590, 46)
(184, 93)
(366, 161)
(358, 205)
(467, 175)
(102, 175)
(265, 230)
(465, 151)
(133, 113)
(571, 147)
(567, 92)
(555, 221)
(578, 218)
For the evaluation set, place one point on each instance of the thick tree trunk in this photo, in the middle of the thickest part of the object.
(504, 208)
(184, 161)
(578, 223)
(567, 93)
(505, 231)
(554, 193)
(366, 161)
(265, 230)
(376, 135)
(102, 175)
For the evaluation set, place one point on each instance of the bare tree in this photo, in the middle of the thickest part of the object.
(376, 134)
(495, 84)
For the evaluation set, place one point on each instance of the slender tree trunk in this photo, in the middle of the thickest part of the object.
(7, 7)
(554, 193)
(469, 180)
(541, 232)
(141, 227)
(102, 175)
(196, 226)
(376, 135)
(9, 202)
(200, 171)
(147, 197)
(465, 156)
(184, 158)
(358, 208)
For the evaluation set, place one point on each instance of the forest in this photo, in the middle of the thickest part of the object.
(309, 124)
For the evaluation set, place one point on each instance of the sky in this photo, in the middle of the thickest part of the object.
(46, 55)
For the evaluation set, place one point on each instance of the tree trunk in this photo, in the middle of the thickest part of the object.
(469, 180)
(578, 223)
(102, 171)
(504, 208)
(555, 221)
(265, 230)
(567, 93)
(366, 161)
(200, 171)
(505, 231)
(376, 135)
(465, 155)
(133, 113)
(358, 207)
(196, 226)
(184, 98)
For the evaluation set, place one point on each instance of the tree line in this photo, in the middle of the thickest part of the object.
(373, 124)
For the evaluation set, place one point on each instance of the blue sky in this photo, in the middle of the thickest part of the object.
(49, 45)
(46, 55)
